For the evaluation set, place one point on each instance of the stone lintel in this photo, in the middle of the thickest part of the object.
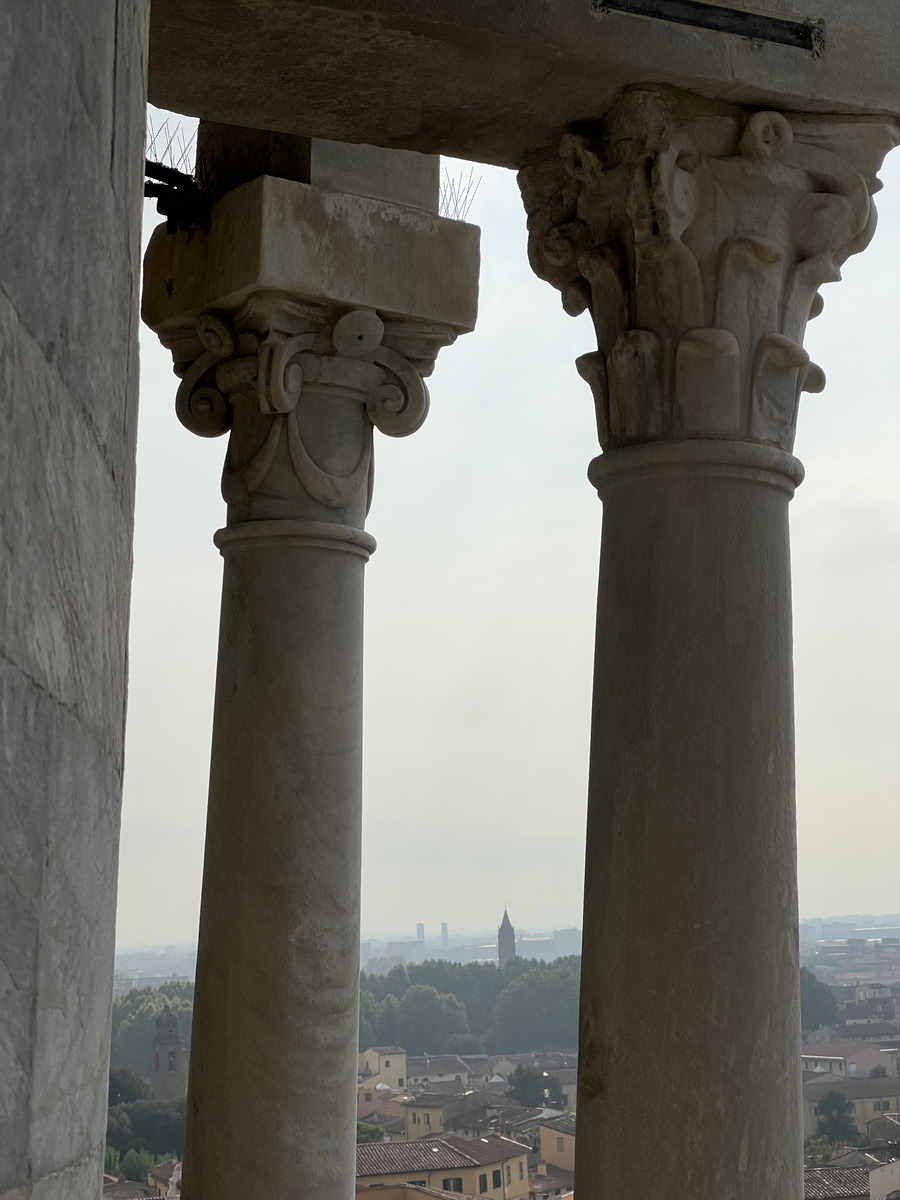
(326, 248)
(229, 155)
(495, 81)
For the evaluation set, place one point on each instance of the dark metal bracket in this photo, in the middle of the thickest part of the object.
(802, 35)
(177, 197)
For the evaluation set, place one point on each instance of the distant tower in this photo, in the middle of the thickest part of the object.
(420, 932)
(506, 940)
(445, 936)
(169, 1079)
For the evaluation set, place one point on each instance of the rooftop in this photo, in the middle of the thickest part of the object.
(829, 1183)
(418, 1065)
(853, 1089)
(433, 1154)
(563, 1124)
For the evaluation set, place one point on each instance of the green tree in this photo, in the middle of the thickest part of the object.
(119, 1134)
(368, 1133)
(464, 1043)
(818, 1005)
(380, 965)
(818, 1150)
(134, 1023)
(835, 1120)
(126, 1085)
(156, 1126)
(479, 986)
(388, 1022)
(111, 1162)
(427, 1018)
(368, 1020)
(136, 1164)
(535, 1088)
(538, 1010)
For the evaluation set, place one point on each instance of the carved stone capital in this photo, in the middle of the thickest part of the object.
(298, 322)
(697, 234)
(299, 388)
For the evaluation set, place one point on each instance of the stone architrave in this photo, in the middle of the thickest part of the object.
(696, 234)
(303, 320)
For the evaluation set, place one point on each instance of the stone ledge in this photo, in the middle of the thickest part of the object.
(328, 247)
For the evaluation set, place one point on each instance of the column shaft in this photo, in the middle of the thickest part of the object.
(273, 1077)
(689, 1009)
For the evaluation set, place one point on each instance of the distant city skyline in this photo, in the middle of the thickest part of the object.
(433, 936)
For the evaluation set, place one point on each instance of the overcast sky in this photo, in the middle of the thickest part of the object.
(480, 611)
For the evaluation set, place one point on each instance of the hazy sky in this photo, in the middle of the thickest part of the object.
(480, 612)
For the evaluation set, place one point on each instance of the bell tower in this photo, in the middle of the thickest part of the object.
(169, 1079)
(506, 940)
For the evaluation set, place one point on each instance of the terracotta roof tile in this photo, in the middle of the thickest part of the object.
(834, 1183)
(432, 1154)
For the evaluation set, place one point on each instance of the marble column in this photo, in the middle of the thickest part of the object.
(300, 321)
(696, 234)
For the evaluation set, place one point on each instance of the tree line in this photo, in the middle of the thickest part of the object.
(140, 1130)
(439, 1007)
(134, 1023)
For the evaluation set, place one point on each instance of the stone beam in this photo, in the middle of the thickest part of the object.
(494, 81)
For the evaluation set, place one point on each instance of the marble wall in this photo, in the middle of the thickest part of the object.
(72, 78)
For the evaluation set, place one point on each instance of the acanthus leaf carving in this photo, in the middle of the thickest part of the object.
(697, 235)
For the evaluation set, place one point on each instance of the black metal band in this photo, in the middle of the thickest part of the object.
(804, 35)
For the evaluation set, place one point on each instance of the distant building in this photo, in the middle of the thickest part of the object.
(491, 1166)
(424, 1070)
(506, 940)
(170, 1059)
(384, 1065)
(165, 1178)
(543, 948)
(445, 936)
(869, 1099)
(568, 941)
(557, 1145)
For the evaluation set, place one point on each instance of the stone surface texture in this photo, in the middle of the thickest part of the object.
(489, 80)
(71, 139)
(690, 918)
(303, 320)
(697, 234)
(229, 155)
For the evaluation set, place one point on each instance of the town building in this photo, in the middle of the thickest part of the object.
(383, 1066)
(850, 1058)
(468, 1114)
(490, 1166)
(557, 1145)
(424, 1071)
(869, 1098)
(169, 1079)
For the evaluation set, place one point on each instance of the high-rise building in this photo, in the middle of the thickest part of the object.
(420, 932)
(506, 940)
(445, 936)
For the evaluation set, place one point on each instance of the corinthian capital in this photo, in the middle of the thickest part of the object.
(697, 234)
